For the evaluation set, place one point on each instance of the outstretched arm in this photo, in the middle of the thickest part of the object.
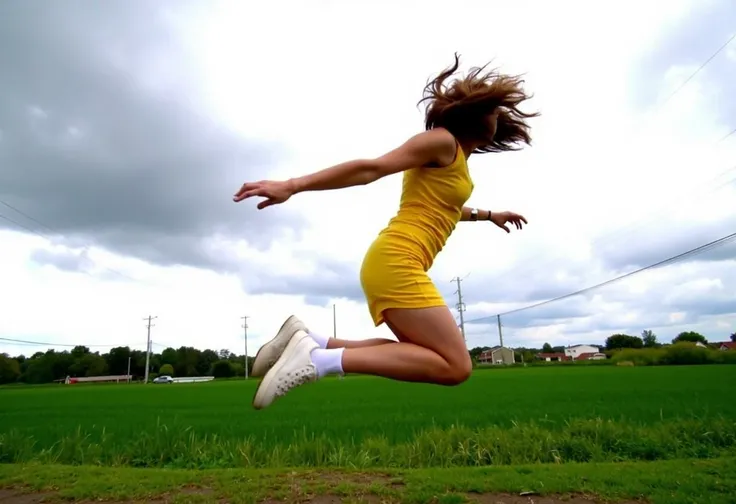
(433, 147)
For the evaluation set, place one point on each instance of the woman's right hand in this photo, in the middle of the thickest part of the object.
(274, 191)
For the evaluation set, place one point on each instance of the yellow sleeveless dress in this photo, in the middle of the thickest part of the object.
(394, 270)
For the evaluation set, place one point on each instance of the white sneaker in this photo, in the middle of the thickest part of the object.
(269, 353)
(294, 368)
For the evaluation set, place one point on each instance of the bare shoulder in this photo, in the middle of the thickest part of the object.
(438, 146)
(432, 148)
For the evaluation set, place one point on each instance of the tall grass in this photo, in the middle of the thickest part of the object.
(596, 413)
(673, 355)
(581, 440)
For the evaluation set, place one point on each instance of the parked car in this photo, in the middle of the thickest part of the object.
(163, 379)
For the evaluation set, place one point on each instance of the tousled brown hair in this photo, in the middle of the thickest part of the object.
(466, 105)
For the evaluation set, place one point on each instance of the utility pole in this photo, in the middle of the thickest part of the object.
(460, 305)
(128, 369)
(334, 330)
(148, 346)
(245, 333)
(500, 332)
(334, 321)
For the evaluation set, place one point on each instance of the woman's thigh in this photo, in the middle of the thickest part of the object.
(433, 328)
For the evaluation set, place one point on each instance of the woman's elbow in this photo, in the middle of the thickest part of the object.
(369, 172)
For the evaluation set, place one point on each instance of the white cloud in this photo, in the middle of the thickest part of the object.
(333, 81)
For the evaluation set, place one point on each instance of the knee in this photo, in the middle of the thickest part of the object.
(459, 372)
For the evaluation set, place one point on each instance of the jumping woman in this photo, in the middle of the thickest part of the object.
(475, 114)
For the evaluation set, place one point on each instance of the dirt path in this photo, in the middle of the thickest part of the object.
(202, 495)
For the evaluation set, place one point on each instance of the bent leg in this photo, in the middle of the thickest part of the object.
(341, 343)
(431, 349)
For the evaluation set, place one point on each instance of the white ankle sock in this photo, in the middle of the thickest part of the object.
(321, 340)
(327, 361)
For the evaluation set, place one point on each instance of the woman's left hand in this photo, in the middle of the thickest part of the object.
(500, 219)
(274, 191)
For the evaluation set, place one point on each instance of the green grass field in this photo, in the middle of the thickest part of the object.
(499, 417)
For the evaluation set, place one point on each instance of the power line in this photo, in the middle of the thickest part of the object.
(42, 235)
(620, 232)
(698, 70)
(42, 343)
(694, 251)
(25, 215)
(726, 136)
(657, 110)
(21, 226)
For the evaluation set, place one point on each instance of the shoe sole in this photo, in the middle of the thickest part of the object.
(278, 344)
(258, 399)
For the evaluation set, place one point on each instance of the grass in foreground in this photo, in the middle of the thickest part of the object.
(502, 416)
(580, 441)
(365, 406)
(671, 482)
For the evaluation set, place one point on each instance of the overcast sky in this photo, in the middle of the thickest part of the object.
(126, 126)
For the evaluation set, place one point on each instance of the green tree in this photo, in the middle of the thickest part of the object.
(649, 339)
(547, 348)
(95, 365)
(117, 360)
(618, 341)
(9, 369)
(79, 351)
(223, 369)
(187, 359)
(691, 337)
(733, 337)
(40, 368)
(206, 359)
(166, 369)
(168, 356)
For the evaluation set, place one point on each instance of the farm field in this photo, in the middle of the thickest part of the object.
(499, 417)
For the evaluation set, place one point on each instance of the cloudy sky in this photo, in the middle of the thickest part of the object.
(126, 126)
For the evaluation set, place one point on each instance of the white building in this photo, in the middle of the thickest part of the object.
(497, 355)
(576, 351)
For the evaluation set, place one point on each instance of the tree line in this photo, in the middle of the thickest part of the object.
(613, 343)
(51, 365)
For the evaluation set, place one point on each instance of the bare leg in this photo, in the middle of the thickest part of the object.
(431, 349)
(341, 343)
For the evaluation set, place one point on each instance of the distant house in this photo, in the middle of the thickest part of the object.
(98, 379)
(553, 356)
(568, 355)
(574, 352)
(727, 345)
(497, 355)
(591, 356)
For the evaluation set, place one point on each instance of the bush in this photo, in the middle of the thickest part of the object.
(678, 354)
(223, 369)
(166, 370)
(639, 357)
